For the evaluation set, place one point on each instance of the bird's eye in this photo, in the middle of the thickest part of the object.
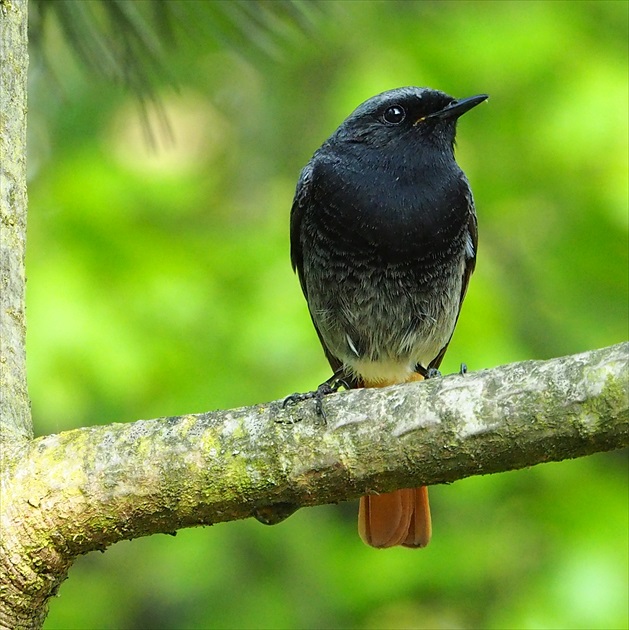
(394, 115)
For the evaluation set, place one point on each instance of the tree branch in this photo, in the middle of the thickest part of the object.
(85, 489)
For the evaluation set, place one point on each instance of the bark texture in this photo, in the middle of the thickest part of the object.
(15, 417)
(14, 404)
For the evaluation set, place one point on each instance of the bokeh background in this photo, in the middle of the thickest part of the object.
(159, 283)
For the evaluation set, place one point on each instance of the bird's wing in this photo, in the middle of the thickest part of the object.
(300, 202)
(303, 197)
(470, 263)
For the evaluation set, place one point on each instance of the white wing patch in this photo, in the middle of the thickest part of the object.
(351, 345)
(469, 246)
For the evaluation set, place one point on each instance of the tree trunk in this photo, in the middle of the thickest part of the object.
(15, 416)
(17, 577)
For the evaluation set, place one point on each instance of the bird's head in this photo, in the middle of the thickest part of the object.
(410, 116)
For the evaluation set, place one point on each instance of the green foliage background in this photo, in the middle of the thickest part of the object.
(159, 283)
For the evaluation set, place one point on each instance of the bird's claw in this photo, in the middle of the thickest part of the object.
(427, 373)
(331, 386)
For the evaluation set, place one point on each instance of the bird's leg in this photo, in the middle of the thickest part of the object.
(333, 384)
(428, 373)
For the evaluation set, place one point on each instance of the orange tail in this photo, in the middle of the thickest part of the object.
(396, 518)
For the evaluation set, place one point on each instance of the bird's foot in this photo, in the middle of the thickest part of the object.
(427, 373)
(331, 386)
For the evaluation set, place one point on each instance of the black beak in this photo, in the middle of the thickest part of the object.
(458, 108)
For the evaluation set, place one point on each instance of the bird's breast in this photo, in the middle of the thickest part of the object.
(396, 213)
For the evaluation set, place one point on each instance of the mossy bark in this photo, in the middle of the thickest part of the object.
(15, 415)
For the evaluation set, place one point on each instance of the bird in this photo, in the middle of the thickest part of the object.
(383, 238)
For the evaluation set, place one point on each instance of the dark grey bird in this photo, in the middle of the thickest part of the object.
(384, 238)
